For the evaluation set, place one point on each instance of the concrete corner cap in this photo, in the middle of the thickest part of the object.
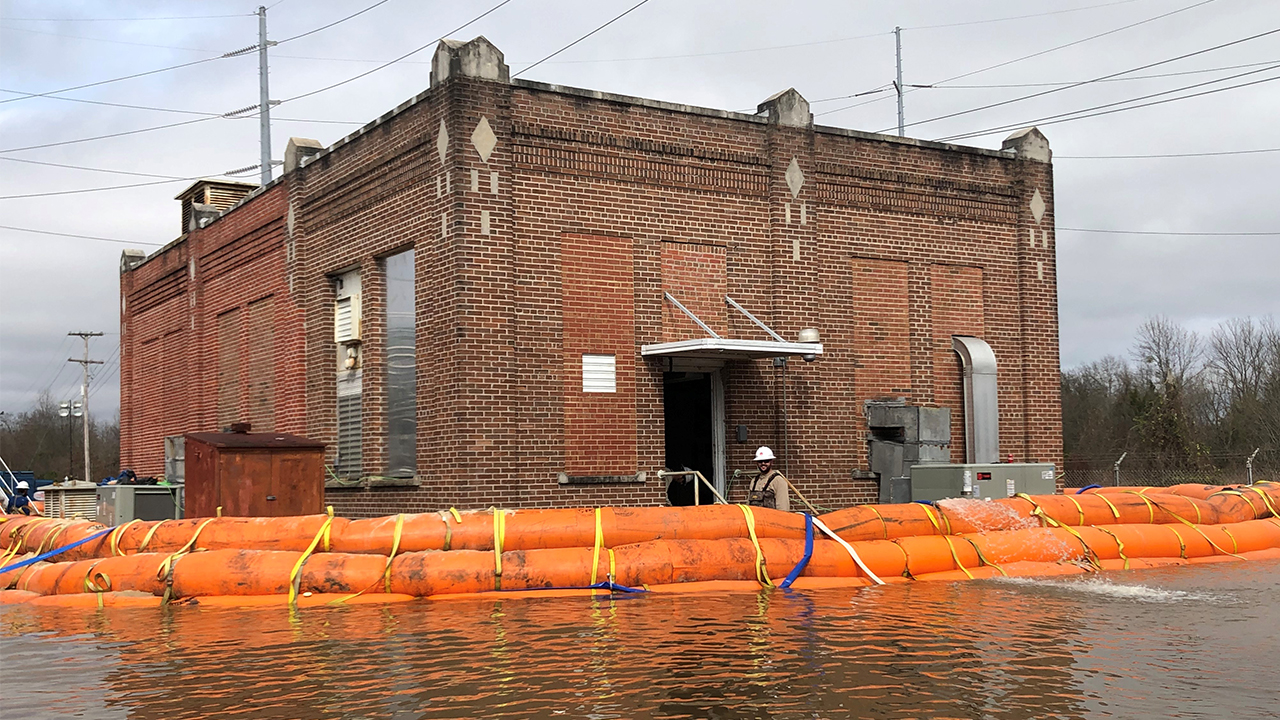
(1029, 144)
(130, 259)
(298, 150)
(478, 58)
(787, 108)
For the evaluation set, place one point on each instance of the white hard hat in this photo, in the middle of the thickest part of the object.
(764, 453)
(22, 485)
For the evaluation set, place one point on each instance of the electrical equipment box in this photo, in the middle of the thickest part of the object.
(981, 481)
(118, 504)
(253, 474)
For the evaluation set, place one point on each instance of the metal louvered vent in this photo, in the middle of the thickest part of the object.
(346, 319)
(599, 373)
(71, 502)
(350, 435)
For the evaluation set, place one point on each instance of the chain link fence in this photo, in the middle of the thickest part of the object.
(1134, 469)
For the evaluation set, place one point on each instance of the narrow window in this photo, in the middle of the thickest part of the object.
(599, 373)
(401, 359)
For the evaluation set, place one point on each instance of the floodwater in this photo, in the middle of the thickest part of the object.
(1188, 642)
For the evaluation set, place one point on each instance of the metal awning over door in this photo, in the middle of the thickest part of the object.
(718, 348)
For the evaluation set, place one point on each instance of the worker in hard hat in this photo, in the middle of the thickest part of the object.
(19, 502)
(769, 487)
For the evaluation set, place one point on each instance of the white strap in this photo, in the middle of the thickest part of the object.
(852, 553)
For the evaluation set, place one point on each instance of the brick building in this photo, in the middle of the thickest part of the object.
(508, 292)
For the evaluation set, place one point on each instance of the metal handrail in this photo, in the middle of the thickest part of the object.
(696, 495)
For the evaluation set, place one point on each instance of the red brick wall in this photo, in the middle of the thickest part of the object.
(924, 241)
(599, 318)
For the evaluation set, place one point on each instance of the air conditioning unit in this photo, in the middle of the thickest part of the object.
(346, 320)
(117, 504)
(71, 500)
(981, 481)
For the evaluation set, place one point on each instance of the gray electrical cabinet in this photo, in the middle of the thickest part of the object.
(981, 481)
(121, 503)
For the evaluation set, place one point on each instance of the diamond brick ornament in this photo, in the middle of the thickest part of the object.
(1037, 206)
(795, 178)
(442, 141)
(484, 139)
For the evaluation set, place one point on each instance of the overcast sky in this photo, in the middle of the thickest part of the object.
(728, 54)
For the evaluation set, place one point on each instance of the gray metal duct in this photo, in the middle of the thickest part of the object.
(981, 403)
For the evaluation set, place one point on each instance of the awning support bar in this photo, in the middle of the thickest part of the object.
(729, 301)
(693, 317)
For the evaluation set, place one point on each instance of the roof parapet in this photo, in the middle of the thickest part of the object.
(477, 58)
(1029, 144)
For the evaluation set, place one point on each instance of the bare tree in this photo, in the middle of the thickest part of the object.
(1171, 354)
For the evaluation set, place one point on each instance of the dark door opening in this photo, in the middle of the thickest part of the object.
(690, 446)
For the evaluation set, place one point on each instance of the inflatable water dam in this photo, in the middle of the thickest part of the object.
(322, 559)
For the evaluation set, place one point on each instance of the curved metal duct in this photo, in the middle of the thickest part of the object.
(981, 403)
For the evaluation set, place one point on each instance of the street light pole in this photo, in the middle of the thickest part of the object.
(69, 410)
(84, 393)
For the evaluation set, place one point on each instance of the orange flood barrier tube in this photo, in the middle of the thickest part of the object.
(590, 550)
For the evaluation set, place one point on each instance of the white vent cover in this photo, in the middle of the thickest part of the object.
(599, 373)
(346, 319)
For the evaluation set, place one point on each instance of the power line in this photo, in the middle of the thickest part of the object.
(110, 135)
(80, 237)
(130, 19)
(233, 53)
(1037, 54)
(1151, 76)
(616, 18)
(233, 115)
(97, 189)
(1108, 76)
(89, 169)
(1054, 119)
(1019, 17)
(1175, 234)
(1164, 155)
(387, 64)
(335, 22)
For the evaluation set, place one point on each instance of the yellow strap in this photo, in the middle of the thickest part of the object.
(613, 569)
(166, 565)
(456, 515)
(1078, 507)
(395, 547)
(1119, 545)
(1114, 512)
(1181, 544)
(883, 524)
(1191, 525)
(1037, 511)
(906, 560)
(295, 576)
(1047, 521)
(929, 514)
(1235, 546)
(956, 557)
(595, 554)
(91, 583)
(117, 533)
(327, 529)
(983, 558)
(50, 538)
(218, 512)
(1266, 499)
(1151, 510)
(499, 534)
(147, 538)
(762, 572)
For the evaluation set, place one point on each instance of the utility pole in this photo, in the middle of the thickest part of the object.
(264, 97)
(84, 392)
(897, 40)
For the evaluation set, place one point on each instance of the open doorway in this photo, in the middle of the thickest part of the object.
(692, 402)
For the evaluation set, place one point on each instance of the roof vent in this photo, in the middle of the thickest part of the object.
(215, 195)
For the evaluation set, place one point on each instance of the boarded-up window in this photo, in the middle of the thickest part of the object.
(599, 373)
(228, 367)
(261, 365)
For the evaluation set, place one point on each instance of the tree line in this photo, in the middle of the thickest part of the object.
(53, 447)
(1185, 407)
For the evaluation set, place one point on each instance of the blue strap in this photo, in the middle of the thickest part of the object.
(808, 553)
(51, 553)
(1087, 487)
